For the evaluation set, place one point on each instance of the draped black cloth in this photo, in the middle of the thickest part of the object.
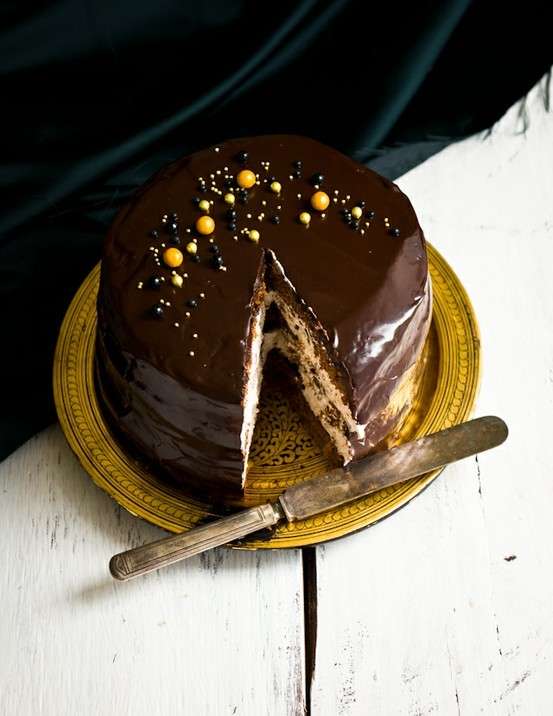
(97, 95)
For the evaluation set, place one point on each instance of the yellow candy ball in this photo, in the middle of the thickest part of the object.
(205, 225)
(305, 218)
(246, 179)
(229, 198)
(177, 280)
(276, 187)
(320, 200)
(254, 235)
(204, 205)
(173, 257)
(357, 212)
(191, 248)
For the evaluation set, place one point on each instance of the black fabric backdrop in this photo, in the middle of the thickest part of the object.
(97, 95)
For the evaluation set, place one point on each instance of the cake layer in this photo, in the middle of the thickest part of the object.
(175, 344)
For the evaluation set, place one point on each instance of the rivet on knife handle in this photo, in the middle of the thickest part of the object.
(169, 550)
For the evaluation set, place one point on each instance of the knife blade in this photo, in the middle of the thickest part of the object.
(319, 494)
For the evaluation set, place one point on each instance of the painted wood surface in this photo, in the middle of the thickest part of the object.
(221, 634)
(447, 607)
(444, 608)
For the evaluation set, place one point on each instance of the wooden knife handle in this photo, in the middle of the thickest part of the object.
(169, 550)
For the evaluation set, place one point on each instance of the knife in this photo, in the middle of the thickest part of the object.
(319, 494)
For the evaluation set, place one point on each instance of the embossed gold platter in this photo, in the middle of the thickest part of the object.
(283, 450)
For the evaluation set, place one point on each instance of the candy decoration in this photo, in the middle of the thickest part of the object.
(191, 248)
(245, 179)
(320, 200)
(254, 235)
(205, 225)
(229, 199)
(305, 218)
(177, 280)
(204, 205)
(356, 212)
(173, 257)
(276, 187)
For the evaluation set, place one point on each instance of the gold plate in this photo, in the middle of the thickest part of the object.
(283, 450)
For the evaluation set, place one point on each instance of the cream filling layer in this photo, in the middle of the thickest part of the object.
(322, 395)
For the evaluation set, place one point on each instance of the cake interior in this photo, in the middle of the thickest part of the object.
(281, 321)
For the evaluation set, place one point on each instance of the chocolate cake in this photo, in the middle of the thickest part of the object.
(259, 244)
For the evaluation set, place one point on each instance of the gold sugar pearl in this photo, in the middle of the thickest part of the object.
(192, 248)
(245, 179)
(204, 205)
(305, 218)
(177, 280)
(173, 257)
(205, 225)
(276, 187)
(357, 212)
(229, 199)
(254, 235)
(320, 200)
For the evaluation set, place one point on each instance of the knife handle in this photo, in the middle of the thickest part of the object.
(169, 550)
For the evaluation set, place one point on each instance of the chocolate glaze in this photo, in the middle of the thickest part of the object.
(370, 294)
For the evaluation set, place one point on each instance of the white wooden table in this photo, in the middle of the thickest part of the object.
(445, 608)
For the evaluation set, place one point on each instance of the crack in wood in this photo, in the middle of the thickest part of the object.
(309, 565)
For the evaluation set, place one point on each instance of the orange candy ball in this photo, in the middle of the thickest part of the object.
(205, 225)
(172, 257)
(246, 179)
(320, 200)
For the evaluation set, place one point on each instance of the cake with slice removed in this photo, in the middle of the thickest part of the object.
(259, 244)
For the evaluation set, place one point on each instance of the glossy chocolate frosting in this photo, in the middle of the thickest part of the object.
(174, 384)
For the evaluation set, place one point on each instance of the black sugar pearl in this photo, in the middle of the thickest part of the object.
(242, 157)
(192, 303)
(317, 179)
(174, 216)
(217, 261)
(231, 214)
(361, 204)
(370, 214)
(157, 311)
(172, 228)
(394, 232)
(196, 259)
(202, 188)
(154, 234)
(275, 219)
(214, 248)
(154, 282)
(231, 226)
(175, 239)
(271, 179)
(228, 182)
(297, 174)
(298, 164)
(196, 200)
